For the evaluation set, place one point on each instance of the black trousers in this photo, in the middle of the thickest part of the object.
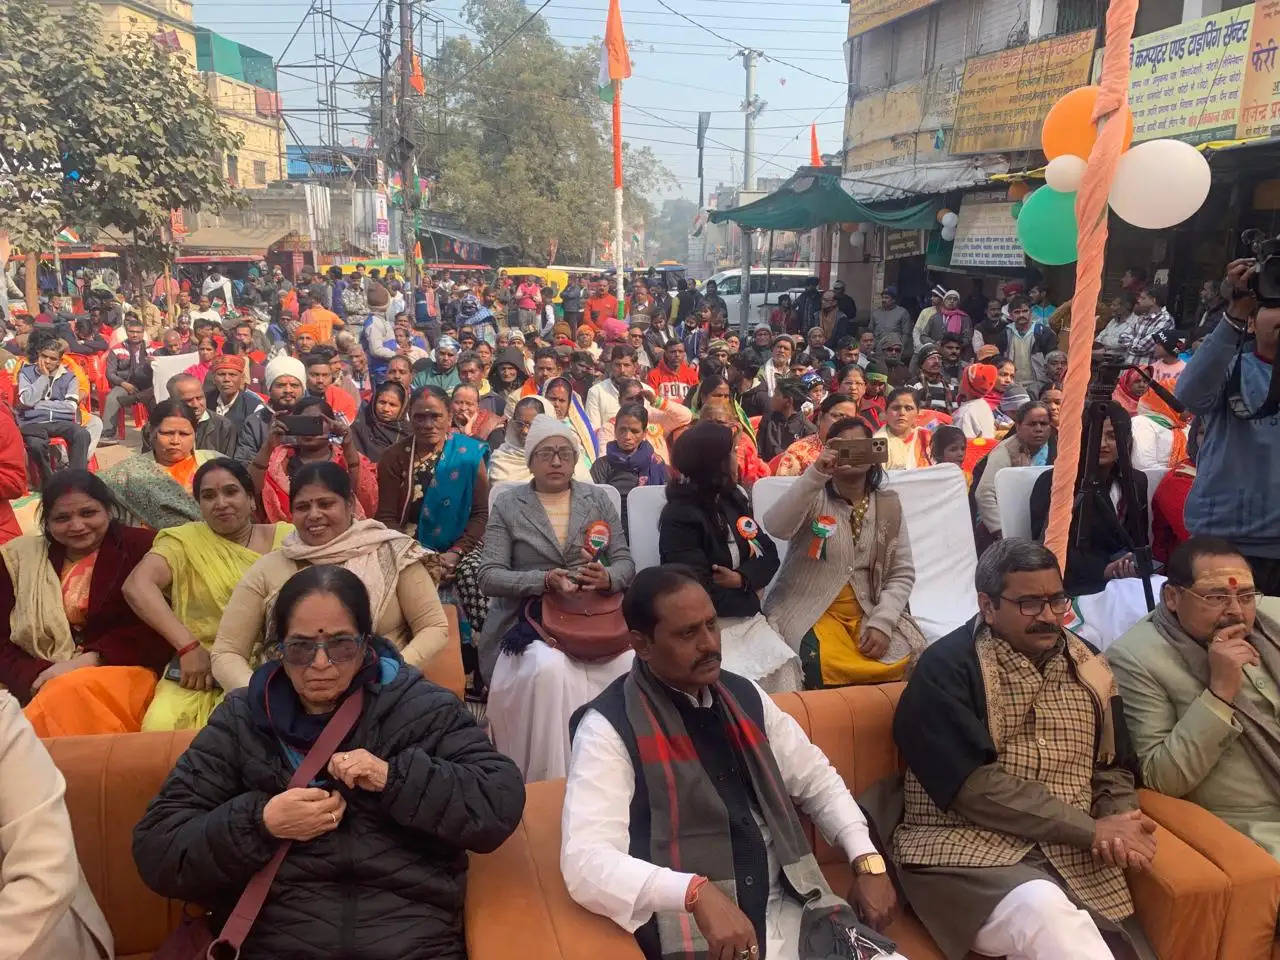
(36, 437)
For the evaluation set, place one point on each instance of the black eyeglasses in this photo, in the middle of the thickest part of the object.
(1032, 606)
(298, 652)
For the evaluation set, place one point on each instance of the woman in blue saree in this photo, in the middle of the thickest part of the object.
(434, 486)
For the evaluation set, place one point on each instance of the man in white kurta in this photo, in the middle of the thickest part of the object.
(674, 630)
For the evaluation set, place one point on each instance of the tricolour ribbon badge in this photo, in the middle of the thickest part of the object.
(823, 527)
(749, 531)
(597, 541)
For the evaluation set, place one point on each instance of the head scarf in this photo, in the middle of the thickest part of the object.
(313, 329)
(285, 366)
(448, 343)
(227, 362)
(978, 379)
(987, 351)
(1124, 394)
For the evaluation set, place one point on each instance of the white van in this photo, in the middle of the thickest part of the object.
(781, 280)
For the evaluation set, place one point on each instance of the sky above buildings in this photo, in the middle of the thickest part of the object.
(679, 69)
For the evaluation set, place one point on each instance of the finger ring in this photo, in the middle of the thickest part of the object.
(334, 817)
(754, 950)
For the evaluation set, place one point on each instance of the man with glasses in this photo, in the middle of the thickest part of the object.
(1020, 812)
(1200, 679)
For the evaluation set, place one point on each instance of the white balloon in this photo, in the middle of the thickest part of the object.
(950, 219)
(1064, 173)
(1159, 183)
(949, 233)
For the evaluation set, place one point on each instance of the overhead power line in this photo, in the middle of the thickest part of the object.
(720, 36)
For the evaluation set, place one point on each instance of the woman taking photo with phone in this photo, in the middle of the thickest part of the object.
(841, 595)
(311, 434)
(796, 459)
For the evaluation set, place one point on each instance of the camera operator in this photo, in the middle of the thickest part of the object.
(1234, 495)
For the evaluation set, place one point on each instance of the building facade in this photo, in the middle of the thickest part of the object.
(944, 95)
(240, 81)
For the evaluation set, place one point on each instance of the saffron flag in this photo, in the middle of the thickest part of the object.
(416, 80)
(815, 158)
(615, 60)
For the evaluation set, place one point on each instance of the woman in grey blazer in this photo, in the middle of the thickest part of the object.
(536, 542)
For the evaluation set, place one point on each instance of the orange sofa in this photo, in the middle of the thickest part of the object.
(110, 781)
(1212, 893)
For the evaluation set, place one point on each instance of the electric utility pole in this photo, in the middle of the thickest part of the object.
(752, 107)
(408, 151)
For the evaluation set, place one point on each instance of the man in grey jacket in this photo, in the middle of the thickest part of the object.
(48, 405)
(891, 317)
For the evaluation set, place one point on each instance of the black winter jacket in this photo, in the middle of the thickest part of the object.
(688, 534)
(389, 882)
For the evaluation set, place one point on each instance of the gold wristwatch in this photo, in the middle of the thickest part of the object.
(869, 863)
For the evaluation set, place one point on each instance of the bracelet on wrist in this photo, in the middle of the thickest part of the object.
(188, 648)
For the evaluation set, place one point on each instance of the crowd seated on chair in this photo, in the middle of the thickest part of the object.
(493, 520)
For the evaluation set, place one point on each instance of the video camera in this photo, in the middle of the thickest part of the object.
(1264, 281)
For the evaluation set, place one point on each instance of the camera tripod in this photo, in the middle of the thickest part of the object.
(1093, 491)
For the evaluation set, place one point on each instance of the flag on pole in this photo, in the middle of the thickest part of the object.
(815, 158)
(416, 80)
(615, 60)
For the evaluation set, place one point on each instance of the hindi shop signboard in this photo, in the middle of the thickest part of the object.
(1005, 96)
(1260, 90)
(866, 15)
(1185, 81)
(987, 233)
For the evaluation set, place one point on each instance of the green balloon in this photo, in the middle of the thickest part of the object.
(1047, 226)
(1016, 209)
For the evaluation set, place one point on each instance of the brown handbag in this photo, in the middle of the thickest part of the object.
(585, 625)
(193, 940)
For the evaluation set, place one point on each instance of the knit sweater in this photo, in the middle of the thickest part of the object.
(1234, 492)
(805, 587)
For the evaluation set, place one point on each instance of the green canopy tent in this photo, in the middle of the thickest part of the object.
(809, 200)
(812, 198)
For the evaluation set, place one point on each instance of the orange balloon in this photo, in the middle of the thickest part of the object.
(1018, 190)
(1068, 126)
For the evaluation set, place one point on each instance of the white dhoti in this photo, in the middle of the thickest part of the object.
(1036, 921)
(533, 694)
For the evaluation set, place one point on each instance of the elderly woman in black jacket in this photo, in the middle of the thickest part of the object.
(708, 526)
(377, 866)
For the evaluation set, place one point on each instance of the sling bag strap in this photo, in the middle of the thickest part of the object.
(247, 908)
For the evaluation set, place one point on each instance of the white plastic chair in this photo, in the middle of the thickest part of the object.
(1013, 498)
(644, 507)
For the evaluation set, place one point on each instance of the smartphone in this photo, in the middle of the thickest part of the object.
(860, 451)
(303, 426)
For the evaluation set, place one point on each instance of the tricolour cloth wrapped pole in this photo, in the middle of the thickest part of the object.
(615, 66)
(1091, 221)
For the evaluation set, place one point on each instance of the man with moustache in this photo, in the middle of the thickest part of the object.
(1200, 678)
(1020, 813)
(681, 786)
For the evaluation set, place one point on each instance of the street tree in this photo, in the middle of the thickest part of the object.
(98, 136)
(525, 152)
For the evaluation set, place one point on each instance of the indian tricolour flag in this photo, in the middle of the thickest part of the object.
(67, 235)
(615, 61)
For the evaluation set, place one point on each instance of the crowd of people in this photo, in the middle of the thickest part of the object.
(330, 467)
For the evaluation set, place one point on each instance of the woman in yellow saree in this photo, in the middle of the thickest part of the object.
(198, 565)
(71, 650)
